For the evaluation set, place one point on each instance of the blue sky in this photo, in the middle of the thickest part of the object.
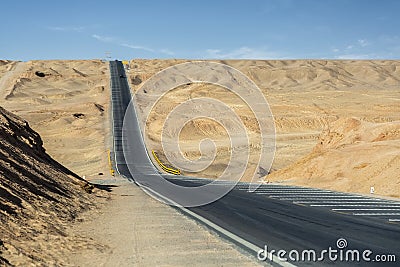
(269, 29)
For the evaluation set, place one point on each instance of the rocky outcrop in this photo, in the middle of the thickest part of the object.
(38, 196)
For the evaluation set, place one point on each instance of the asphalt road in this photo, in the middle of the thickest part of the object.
(281, 217)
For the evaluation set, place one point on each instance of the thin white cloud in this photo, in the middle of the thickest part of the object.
(139, 47)
(148, 49)
(356, 56)
(213, 51)
(242, 53)
(167, 52)
(67, 28)
(359, 44)
(105, 39)
(354, 50)
(363, 42)
(117, 41)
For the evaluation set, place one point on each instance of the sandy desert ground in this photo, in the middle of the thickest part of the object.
(39, 199)
(306, 97)
(337, 122)
(68, 107)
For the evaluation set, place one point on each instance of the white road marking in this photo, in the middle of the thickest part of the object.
(328, 198)
(357, 205)
(284, 188)
(291, 189)
(362, 209)
(216, 227)
(304, 195)
(261, 187)
(358, 201)
(323, 197)
(244, 188)
(376, 214)
(297, 191)
(324, 200)
(301, 194)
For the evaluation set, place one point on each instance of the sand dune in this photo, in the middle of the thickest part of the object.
(69, 108)
(351, 155)
(306, 97)
(52, 104)
(39, 198)
(337, 122)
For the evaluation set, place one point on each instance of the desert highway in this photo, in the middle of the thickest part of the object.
(281, 217)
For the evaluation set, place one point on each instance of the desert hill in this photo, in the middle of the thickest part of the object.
(67, 102)
(307, 97)
(337, 127)
(38, 196)
(350, 155)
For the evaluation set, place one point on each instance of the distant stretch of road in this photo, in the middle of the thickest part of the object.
(282, 217)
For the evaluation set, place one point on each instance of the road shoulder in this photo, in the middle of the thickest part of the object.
(133, 229)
